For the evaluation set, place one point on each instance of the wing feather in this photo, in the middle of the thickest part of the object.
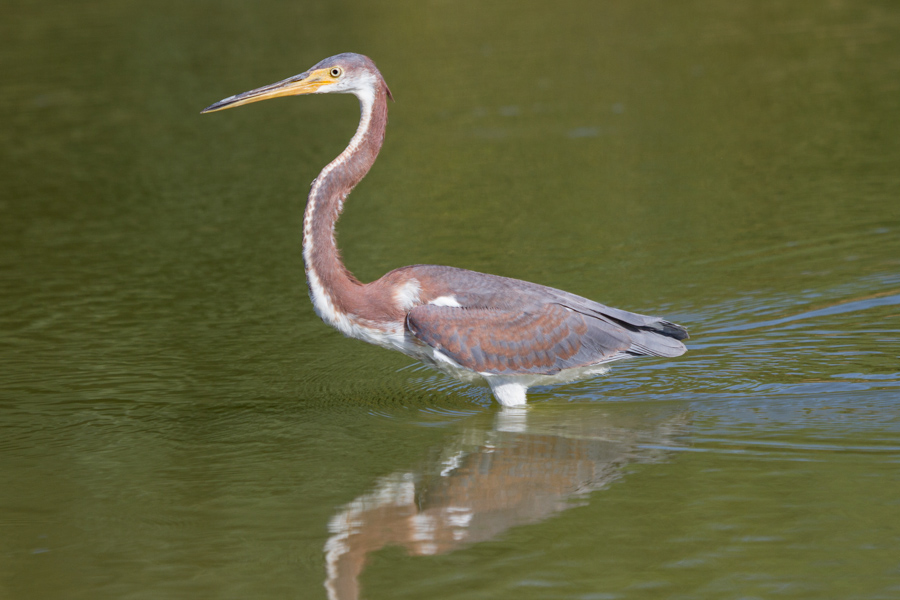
(544, 339)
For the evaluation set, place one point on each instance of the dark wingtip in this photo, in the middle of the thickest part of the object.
(674, 331)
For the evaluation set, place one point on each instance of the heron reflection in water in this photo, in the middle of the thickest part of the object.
(511, 333)
(522, 468)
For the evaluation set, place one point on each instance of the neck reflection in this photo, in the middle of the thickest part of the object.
(509, 468)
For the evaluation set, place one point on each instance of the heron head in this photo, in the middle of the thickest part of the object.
(341, 74)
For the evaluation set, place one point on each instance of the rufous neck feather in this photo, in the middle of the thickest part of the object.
(332, 287)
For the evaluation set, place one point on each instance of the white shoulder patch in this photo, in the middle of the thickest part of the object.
(407, 295)
(446, 301)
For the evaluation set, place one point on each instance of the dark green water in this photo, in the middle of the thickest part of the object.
(175, 422)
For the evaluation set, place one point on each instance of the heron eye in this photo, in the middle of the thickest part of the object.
(335, 72)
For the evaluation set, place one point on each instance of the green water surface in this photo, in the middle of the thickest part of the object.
(175, 421)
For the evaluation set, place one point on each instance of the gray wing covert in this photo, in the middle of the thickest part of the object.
(543, 339)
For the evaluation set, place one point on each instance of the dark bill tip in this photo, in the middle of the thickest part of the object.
(216, 106)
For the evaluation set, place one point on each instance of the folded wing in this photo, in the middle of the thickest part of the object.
(541, 339)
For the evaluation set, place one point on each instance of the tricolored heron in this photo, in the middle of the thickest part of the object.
(513, 334)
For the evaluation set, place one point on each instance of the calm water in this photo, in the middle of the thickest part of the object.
(176, 423)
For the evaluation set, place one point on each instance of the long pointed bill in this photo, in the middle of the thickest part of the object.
(304, 83)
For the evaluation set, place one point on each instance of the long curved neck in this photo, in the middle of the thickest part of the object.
(335, 292)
